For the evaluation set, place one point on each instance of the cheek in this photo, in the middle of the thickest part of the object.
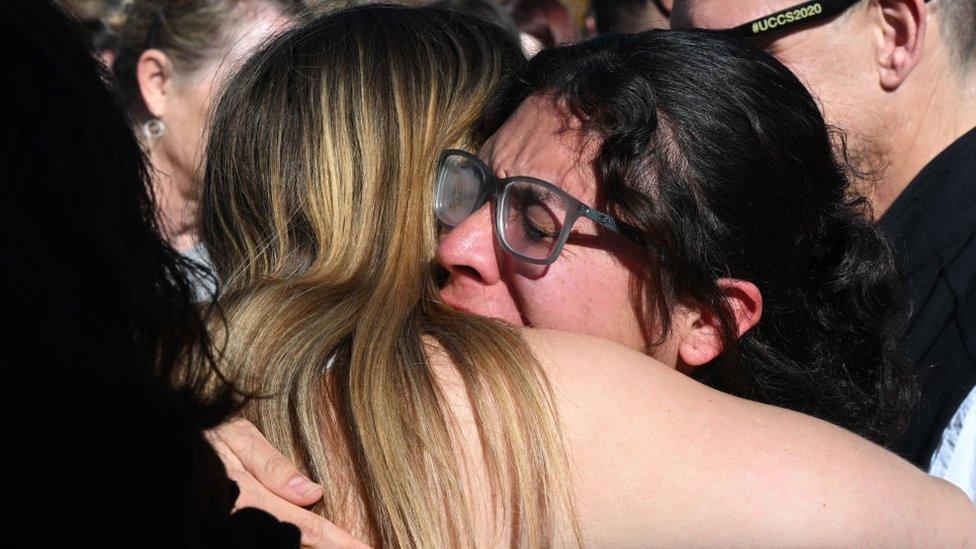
(590, 293)
(186, 125)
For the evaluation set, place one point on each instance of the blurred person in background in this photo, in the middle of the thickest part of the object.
(171, 57)
(538, 24)
(93, 14)
(105, 447)
(899, 77)
(629, 15)
(488, 10)
(545, 23)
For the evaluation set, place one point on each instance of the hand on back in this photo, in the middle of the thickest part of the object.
(268, 481)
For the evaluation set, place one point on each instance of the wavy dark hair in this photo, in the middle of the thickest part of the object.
(105, 355)
(721, 157)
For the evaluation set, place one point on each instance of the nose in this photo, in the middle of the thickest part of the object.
(468, 250)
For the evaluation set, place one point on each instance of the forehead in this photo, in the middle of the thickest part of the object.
(542, 141)
(723, 14)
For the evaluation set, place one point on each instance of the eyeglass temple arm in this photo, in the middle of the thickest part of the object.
(608, 222)
(815, 11)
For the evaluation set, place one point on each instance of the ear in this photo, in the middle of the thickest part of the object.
(699, 336)
(902, 25)
(154, 73)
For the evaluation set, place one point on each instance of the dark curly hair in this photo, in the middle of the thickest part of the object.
(104, 353)
(721, 157)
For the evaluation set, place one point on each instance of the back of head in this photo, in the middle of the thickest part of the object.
(957, 22)
(721, 157)
(400, 84)
(192, 33)
(318, 217)
(101, 313)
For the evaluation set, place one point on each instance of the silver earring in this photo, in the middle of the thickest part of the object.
(153, 129)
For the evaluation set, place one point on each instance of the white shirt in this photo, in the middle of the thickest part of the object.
(955, 458)
(203, 286)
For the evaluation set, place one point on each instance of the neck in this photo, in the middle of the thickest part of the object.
(919, 128)
(176, 201)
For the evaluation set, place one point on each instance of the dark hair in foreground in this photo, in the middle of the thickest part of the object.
(719, 154)
(106, 426)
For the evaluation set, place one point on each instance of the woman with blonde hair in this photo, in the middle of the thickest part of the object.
(430, 427)
(317, 218)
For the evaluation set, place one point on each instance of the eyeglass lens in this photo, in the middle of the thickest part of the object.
(531, 219)
(459, 191)
(531, 216)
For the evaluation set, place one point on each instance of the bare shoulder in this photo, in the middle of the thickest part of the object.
(600, 384)
(597, 363)
(659, 456)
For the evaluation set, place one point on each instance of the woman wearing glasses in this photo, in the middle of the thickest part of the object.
(743, 262)
(429, 427)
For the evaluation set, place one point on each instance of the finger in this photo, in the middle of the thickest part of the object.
(262, 460)
(228, 458)
(317, 532)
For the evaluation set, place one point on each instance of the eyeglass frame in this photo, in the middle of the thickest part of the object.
(803, 14)
(494, 187)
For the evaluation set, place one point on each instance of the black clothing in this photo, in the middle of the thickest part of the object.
(932, 229)
(103, 442)
(95, 463)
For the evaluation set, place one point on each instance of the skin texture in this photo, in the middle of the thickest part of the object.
(639, 442)
(182, 102)
(882, 73)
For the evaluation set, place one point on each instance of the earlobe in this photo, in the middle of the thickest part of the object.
(154, 74)
(902, 35)
(700, 339)
(745, 299)
(700, 342)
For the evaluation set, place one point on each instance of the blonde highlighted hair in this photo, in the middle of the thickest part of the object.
(317, 213)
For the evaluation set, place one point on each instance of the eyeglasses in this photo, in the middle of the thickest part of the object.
(533, 218)
(791, 18)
